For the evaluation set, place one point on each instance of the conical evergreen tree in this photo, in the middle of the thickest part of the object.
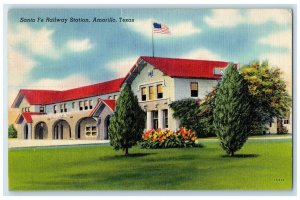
(128, 122)
(231, 112)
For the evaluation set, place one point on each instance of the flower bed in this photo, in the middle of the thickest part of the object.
(165, 138)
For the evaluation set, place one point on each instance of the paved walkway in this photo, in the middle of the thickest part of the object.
(48, 143)
(267, 137)
(44, 143)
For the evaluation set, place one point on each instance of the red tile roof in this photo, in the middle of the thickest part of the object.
(176, 67)
(37, 97)
(27, 116)
(108, 102)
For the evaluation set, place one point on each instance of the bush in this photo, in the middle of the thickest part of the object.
(165, 138)
(282, 130)
(12, 132)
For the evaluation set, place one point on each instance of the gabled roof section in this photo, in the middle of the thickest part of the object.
(181, 68)
(106, 102)
(27, 116)
(92, 90)
(188, 68)
(43, 97)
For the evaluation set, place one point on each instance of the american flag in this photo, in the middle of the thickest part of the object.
(160, 28)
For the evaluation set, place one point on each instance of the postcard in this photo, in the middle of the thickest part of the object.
(143, 99)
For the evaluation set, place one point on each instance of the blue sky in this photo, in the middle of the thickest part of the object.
(44, 55)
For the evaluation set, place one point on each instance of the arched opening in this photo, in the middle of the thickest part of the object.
(61, 130)
(86, 128)
(106, 125)
(26, 131)
(41, 131)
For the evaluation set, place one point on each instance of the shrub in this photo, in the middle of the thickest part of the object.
(12, 132)
(165, 138)
(282, 130)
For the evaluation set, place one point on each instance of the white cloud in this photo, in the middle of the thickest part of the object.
(69, 82)
(224, 18)
(73, 81)
(234, 17)
(79, 45)
(184, 29)
(19, 67)
(201, 54)
(279, 39)
(284, 62)
(122, 66)
(261, 16)
(38, 42)
(178, 30)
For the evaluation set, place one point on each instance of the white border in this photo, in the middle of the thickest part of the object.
(213, 3)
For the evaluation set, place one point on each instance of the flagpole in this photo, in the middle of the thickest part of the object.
(152, 40)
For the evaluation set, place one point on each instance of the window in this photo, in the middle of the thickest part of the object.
(90, 130)
(22, 109)
(73, 105)
(65, 107)
(165, 115)
(143, 93)
(91, 104)
(194, 89)
(155, 119)
(287, 117)
(80, 105)
(159, 91)
(54, 109)
(109, 97)
(61, 108)
(151, 92)
(26, 109)
(42, 109)
(86, 105)
(270, 124)
(115, 97)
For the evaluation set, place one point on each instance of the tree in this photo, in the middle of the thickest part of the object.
(196, 114)
(268, 94)
(231, 111)
(12, 132)
(128, 122)
(205, 112)
(186, 111)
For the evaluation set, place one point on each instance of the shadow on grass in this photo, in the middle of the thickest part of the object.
(130, 155)
(134, 155)
(241, 156)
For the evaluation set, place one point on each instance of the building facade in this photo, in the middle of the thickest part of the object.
(84, 113)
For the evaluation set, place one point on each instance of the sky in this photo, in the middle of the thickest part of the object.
(59, 56)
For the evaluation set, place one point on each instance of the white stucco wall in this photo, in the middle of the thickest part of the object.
(158, 77)
(183, 87)
(24, 104)
(49, 108)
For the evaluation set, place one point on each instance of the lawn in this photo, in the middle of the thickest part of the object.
(260, 165)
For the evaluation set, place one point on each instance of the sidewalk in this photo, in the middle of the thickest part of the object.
(15, 143)
(262, 137)
(45, 143)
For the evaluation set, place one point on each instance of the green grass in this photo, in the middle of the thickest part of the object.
(260, 165)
